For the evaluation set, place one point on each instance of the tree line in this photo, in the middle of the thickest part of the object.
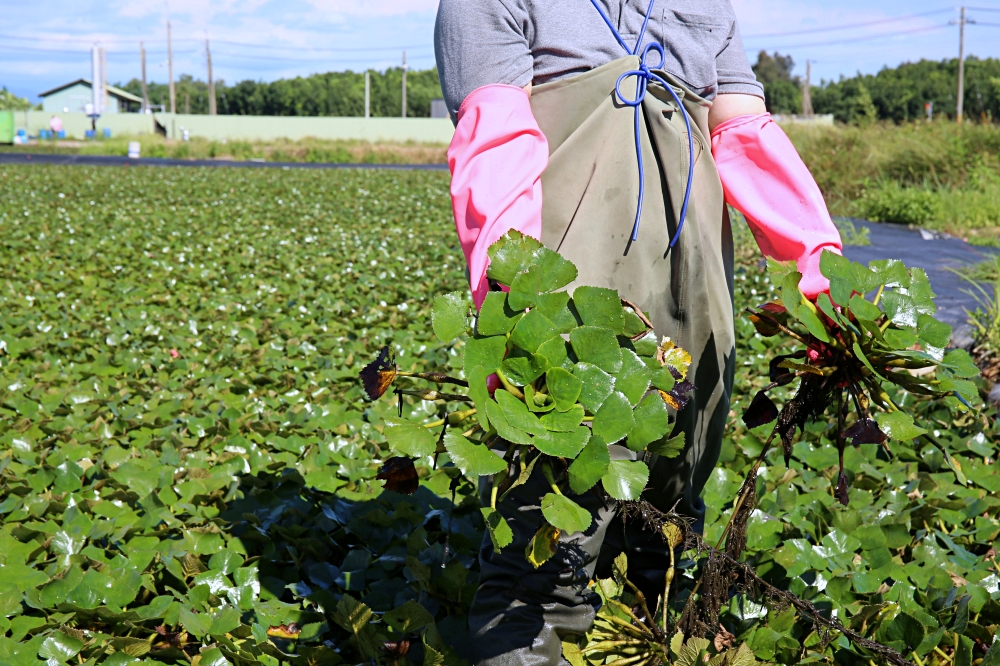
(329, 94)
(897, 94)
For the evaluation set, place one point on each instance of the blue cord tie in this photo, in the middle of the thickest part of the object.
(643, 76)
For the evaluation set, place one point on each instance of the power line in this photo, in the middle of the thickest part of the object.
(848, 26)
(78, 40)
(861, 39)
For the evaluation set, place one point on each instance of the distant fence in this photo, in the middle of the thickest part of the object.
(249, 128)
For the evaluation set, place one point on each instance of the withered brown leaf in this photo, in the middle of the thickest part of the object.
(399, 475)
(378, 375)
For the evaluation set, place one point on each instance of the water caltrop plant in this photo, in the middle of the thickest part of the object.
(551, 377)
(859, 351)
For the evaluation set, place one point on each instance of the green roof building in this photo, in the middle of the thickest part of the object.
(73, 97)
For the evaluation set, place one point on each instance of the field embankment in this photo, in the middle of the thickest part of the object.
(937, 175)
(282, 150)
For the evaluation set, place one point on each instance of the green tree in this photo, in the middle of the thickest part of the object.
(782, 91)
(329, 94)
(11, 102)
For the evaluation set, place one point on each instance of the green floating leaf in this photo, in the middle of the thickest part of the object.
(499, 421)
(633, 378)
(410, 439)
(450, 316)
(556, 308)
(600, 307)
(808, 316)
(564, 387)
(899, 426)
(524, 289)
(920, 291)
(597, 346)
(563, 444)
(409, 618)
(500, 533)
(516, 252)
(864, 309)
(651, 422)
(517, 413)
(567, 421)
(625, 479)
(960, 363)
(480, 393)
(60, 647)
(510, 255)
(900, 338)
(522, 367)
(485, 352)
(555, 353)
(891, 272)
(932, 332)
(472, 459)
(565, 514)
(614, 420)
(857, 276)
(532, 330)
(668, 448)
(596, 385)
(496, 316)
(900, 308)
(590, 465)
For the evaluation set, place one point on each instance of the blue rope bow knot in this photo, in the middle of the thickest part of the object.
(643, 75)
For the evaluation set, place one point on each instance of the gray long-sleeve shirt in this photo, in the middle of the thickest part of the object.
(517, 42)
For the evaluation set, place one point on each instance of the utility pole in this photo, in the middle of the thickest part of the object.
(145, 91)
(404, 83)
(211, 82)
(368, 93)
(170, 72)
(807, 104)
(960, 107)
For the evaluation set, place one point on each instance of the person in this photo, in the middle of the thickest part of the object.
(616, 131)
(56, 125)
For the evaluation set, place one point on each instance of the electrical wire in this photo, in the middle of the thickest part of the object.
(848, 26)
(78, 40)
(859, 39)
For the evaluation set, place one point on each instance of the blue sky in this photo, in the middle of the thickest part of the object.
(46, 42)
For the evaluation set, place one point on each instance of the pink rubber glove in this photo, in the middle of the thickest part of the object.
(496, 158)
(764, 178)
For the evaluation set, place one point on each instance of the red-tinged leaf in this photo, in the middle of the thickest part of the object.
(761, 410)
(379, 374)
(773, 308)
(865, 431)
(399, 475)
(396, 649)
(842, 487)
(765, 325)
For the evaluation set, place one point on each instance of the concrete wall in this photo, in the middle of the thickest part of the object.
(250, 128)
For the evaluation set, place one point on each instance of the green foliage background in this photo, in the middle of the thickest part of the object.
(329, 94)
(227, 489)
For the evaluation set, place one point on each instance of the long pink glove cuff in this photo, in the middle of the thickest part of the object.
(496, 157)
(764, 178)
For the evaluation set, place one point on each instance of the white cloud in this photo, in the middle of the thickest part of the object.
(373, 8)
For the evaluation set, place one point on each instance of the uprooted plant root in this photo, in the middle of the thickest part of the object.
(722, 572)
